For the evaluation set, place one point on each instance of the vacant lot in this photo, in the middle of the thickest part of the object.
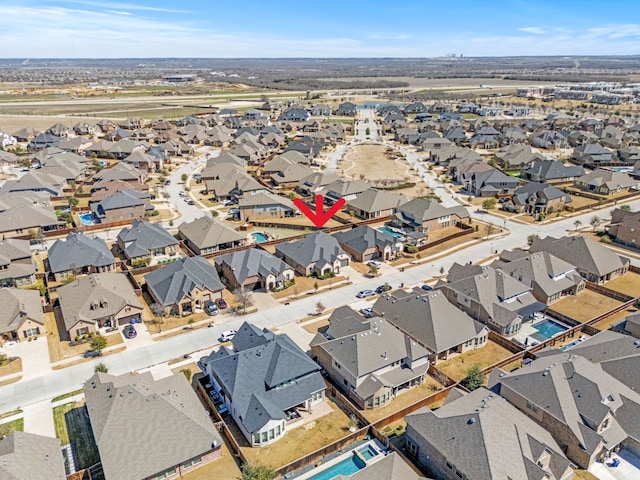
(408, 397)
(629, 284)
(585, 306)
(81, 437)
(456, 368)
(300, 441)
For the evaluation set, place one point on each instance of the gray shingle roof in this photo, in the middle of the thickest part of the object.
(170, 284)
(142, 237)
(96, 296)
(251, 373)
(15, 258)
(391, 467)
(252, 262)
(377, 200)
(487, 438)
(554, 170)
(363, 238)
(205, 232)
(121, 199)
(17, 306)
(78, 251)
(429, 318)
(317, 247)
(424, 209)
(128, 411)
(25, 456)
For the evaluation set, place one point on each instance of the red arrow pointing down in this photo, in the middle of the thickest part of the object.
(319, 217)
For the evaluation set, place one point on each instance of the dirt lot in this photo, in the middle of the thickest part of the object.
(456, 368)
(628, 284)
(369, 162)
(585, 306)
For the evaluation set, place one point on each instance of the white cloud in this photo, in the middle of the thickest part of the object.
(533, 30)
(120, 6)
(116, 12)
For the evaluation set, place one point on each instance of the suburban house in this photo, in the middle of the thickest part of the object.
(595, 262)
(36, 181)
(120, 171)
(427, 215)
(371, 360)
(347, 189)
(26, 456)
(549, 277)
(206, 235)
(630, 325)
(294, 115)
(122, 205)
(624, 228)
(375, 204)
(605, 182)
(253, 269)
(164, 410)
(346, 109)
(549, 140)
(79, 254)
(516, 156)
(480, 436)
(16, 266)
(184, 285)
(315, 182)
(493, 298)
(96, 301)
(589, 412)
(316, 254)
(365, 243)
(536, 198)
(492, 183)
(21, 316)
(143, 240)
(23, 214)
(266, 381)
(289, 175)
(266, 206)
(143, 161)
(593, 154)
(432, 322)
(552, 171)
(232, 182)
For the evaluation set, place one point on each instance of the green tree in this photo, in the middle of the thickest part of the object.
(73, 202)
(489, 204)
(98, 342)
(184, 177)
(532, 238)
(625, 208)
(373, 270)
(257, 471)
(102, 368)
(475, 377)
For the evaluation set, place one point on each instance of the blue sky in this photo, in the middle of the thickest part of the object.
(329, 28)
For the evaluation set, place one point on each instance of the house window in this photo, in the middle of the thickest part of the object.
(532, 406)
(256, 438)
(31, 332)
(277, 430)
(264, 437)
(82, 331)
(271, 436)
(412, 448)
(459, 474)
(449, 465)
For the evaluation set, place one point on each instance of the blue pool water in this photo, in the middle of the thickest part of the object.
(548, 328)
(348, 466)
(86, 218)
(260, 237)
(391, 232)
(368, 452)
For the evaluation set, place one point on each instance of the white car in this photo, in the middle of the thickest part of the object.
(374, 263)
(365, 293)
(227, 336)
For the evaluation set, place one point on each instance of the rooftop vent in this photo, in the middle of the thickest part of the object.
(471, 421)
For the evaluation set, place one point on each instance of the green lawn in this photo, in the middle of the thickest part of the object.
(67, 395)
(60, 422)
(14, 426)
(81, 438)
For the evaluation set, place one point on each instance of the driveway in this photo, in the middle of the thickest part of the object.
(629, 468)
(34, 354)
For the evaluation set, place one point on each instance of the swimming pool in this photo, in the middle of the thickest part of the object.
(388, 231)
(86, 219)
(260, 237)
(547, 329)
(368, 452)
(347, 467)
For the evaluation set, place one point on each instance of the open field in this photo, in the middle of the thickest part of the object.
(585, 306)
(456, 367)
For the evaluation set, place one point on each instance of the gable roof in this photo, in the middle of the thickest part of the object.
(205, 232)
(266, 198)
(424, 209)
(127, 410)
(612, 180)
(582, 252)
(78, 251)
(491, 438)
(96, 296)
(252, 262)
(363, 238)
(428, 318)
(25, 456)
(554, 170)
(19, 305)
(377, 200)
(316, 247)
(142, 237)
(177, 280)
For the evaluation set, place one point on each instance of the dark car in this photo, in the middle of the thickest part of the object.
(427, 287)
(210, 308)
(221, 303)
(167, 182)
(129, 331)
(92, 353)
(383, 288)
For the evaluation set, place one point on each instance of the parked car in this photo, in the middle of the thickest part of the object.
(129, 331)
(92, 353)
(221, 303)
(383, 288)
(210, 308)
(367, 312)
(227, 336)
(374, 263)
(167, 182)
(427, 287)
(365, 293)
(234, 211)
(181, 193)
(190, 202)
(225, 202)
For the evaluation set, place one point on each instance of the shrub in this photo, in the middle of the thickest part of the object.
(98, 342)
(475, 377)
(410, 248)
(152, 213)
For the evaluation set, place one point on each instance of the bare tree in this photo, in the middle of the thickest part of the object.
(577, 224)
(320, 308)
(159, 312)
(243, 299)
(595, 221)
